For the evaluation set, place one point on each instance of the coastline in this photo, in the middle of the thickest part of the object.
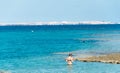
(57, 24)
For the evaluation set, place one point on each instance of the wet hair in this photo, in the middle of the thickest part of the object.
(70, 54)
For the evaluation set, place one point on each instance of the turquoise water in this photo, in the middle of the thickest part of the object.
(43, 49)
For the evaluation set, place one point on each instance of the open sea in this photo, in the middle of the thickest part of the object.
(43, 49)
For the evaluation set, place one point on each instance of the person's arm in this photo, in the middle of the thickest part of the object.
(66, 59)
(74, 59)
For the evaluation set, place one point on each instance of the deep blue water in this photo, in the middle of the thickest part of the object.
(43, 49)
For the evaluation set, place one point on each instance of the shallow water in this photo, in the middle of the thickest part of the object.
(43, 49)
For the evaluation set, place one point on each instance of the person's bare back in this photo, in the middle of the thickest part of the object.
(69, 59)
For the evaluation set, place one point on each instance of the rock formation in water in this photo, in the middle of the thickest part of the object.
(110, 58)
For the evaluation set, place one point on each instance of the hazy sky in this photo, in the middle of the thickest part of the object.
(59, 10)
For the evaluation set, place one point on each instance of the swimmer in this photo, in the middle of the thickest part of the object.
(69, 59)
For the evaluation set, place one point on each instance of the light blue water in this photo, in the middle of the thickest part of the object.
(42, 49)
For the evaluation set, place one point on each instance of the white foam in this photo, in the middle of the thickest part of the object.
(58, 23)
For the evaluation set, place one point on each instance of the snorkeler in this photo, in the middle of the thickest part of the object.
(69, 59)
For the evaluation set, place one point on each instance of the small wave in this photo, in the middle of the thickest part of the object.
(62, 53)
(83, 53)
(52, 23)
(75, 54)
(96, 39)
(88, 39)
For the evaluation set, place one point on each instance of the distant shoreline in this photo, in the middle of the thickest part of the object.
(54, 24)
(60, 23)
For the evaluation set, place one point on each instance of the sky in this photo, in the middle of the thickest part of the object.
(59, 10)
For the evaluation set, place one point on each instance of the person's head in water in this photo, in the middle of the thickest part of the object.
(70, 54)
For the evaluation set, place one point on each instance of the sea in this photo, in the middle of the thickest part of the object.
(43, 48)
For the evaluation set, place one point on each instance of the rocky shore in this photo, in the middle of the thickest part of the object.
(113, 58)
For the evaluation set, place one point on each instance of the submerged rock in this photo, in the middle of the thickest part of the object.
(4, 71)
(110, 58)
